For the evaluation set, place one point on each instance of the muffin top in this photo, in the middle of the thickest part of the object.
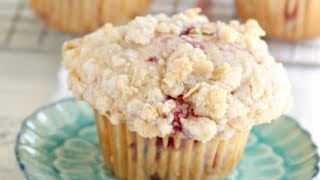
(179, 75)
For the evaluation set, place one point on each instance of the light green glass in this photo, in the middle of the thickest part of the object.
(59, 141)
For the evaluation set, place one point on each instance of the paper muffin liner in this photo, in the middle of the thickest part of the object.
(285, 19)
(82, 16)
(131, 156)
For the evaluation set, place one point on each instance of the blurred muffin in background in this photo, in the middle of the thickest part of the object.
(82, 16)
(284, 19)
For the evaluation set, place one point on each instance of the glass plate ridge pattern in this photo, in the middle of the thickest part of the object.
(59, 141)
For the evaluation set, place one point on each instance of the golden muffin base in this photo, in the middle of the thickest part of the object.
(82, 16)
(130, 156)
(284, 19)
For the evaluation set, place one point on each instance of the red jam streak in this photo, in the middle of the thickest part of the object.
(158, 155)
(165, 39)
(290, 14)
(182, 110)
(159, 141)
(194, 44)
(171, 142)
(186, 31)
(132, 145)
(177, 113)
(215, 161)
(153, 59)
(184, 35)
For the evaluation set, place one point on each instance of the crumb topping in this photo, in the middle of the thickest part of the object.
(179, 75)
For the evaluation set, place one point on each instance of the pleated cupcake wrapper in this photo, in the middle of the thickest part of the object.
(131, 156)
(81, 16)
(286, 19)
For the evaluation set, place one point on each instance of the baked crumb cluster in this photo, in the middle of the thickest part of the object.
(179, 75)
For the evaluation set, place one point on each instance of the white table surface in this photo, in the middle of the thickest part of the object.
(28, 80)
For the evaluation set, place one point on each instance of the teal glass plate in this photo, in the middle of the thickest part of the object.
(59, 141)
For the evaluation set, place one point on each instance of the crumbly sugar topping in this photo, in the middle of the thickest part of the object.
(179, 75)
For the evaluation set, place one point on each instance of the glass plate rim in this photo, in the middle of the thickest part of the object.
(28, 176)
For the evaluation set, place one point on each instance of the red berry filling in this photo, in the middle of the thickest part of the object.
(290, 14)
(186, 30)
(177, 113)
(215, 161)
(153, 59)
(162, 38)
(195, 44)
(184, 35)
(184, 110)
(195, 142)
(171, 142)
(132, 145)
(165, 39)
(159, 141)
(158, 155)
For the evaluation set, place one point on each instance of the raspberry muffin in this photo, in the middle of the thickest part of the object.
(176, 97)
(81, 16)
(284, 19)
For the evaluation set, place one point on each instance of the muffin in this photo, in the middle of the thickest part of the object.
(290, 20)
(81, 16)
(176, 97)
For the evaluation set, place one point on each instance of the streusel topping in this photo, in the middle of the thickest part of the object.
(179, 75)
